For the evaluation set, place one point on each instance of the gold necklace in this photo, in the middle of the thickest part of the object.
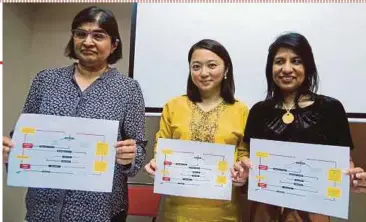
(288, 117)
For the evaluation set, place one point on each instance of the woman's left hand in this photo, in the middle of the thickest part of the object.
(125, 151)
(240, 172)
(358, 179)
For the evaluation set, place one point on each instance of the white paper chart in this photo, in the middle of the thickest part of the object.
(63, 152)
(300, 176)
(194, 169)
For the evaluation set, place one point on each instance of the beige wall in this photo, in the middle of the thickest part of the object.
(17, 26)
(33, 41)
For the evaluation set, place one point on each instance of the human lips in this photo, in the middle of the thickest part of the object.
(206, 82)
(287, 79)
(86, 51)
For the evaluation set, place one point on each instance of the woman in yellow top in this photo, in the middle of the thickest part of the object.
(208, 113)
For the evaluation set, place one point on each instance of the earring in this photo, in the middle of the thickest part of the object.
(225, 77)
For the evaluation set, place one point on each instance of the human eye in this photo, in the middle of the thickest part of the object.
(99, 36)
(81, 34)
(278, 61)
(195, 67)
(212, 65)
(297, 61)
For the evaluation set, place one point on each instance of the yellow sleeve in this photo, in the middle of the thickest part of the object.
(241, 147)
(165, 126)
(242, 150)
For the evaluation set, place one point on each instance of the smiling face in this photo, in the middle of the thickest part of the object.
(288, 70)
(92, 45)
(207, 71)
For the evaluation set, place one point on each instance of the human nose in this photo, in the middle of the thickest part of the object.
(88, 40)
(287, 67)
(204, 71)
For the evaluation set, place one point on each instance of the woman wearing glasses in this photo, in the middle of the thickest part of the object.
(89, 88)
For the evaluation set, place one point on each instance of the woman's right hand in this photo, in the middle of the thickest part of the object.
(7, 145)
(358, 179)
(150, 168)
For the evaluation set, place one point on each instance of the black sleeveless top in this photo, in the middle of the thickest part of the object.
(323, 122)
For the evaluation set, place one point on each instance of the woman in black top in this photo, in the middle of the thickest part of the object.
(293, 112)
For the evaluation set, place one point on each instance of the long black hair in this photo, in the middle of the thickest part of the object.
(300, 45)
(227, 85)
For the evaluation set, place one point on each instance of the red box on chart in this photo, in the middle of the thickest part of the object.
(263, 167)
(166, 178)
(167, 162)
(25, 166)
(27, 145)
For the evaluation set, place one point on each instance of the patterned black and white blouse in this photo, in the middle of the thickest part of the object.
(112, 96)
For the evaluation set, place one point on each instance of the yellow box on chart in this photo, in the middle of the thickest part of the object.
(222, 166)
(221, 180)
(333, 192)
(22, 157)
(335, 175)
(28, 130)
(167, 151)
(102, 149)
(262, 154)
(100, 166)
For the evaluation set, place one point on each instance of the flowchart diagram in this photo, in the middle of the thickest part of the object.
(64, 154)
(73, 150)
(194, 169)
(300, 176)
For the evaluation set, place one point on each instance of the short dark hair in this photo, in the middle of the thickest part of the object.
(106, 20)
(300, 45)
(227, 85)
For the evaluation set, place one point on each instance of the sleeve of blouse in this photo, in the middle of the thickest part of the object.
(134, 128)
(242, 148)
(34, 98)
(165, 126)
(342, 126)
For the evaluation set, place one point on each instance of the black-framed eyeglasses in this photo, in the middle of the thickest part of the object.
(83, 34)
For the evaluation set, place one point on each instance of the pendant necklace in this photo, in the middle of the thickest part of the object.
(288, 117)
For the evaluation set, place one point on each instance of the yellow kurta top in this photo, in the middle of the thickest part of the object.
(183, 119)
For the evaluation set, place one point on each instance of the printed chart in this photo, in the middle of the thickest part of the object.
(300, 176)
(63, 152)
(194, 169)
